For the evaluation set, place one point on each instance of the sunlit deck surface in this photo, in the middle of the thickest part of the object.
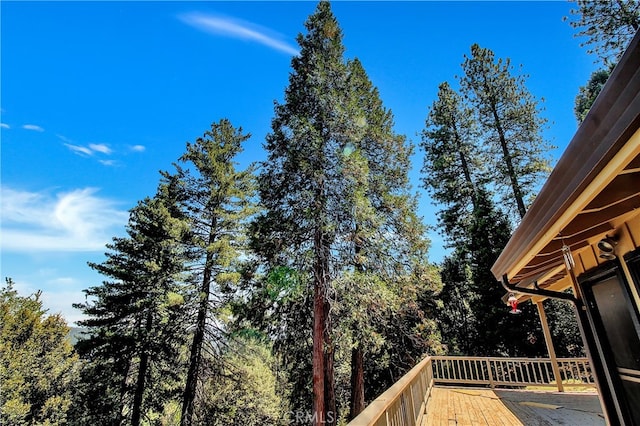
(481, 406)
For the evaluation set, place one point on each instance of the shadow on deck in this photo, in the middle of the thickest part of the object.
(481, 406)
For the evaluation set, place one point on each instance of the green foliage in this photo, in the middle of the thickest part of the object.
(279, 305)
(499, 333)
(459, 304)
(214, 201)
(588, 94)
(38, 368)
(565, 331)
(608, 26)
(509, 117)
(245, 391)
(452, 164)
(135, 322)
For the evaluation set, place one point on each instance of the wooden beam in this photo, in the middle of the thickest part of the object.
(623, 187)
(587, 220)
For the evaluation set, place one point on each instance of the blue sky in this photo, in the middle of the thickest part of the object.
(97, 97)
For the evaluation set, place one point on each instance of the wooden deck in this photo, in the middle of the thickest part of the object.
(480, 406)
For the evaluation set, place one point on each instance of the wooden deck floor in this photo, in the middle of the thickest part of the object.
(481, 406)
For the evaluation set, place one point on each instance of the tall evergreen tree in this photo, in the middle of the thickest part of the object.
(609, 26)
(452, 164)
(300, 181)
(387, 240)
(336, 194)
(215, 200)
(509, 117)
(135, 320)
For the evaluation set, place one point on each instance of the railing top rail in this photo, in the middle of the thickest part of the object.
(378, 406)
(497, 358)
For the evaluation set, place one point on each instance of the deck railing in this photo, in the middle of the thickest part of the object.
(404, 403)
(511, 371)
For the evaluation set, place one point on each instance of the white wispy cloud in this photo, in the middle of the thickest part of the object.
(64, 138)
(100, 147)
(137, 148)
(90, 150)
(77, 220)
(81, 150)
(5, 126)
(33, 127)
(235, 28)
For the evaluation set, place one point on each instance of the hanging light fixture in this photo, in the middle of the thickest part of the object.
(607, 247)
(513, 302)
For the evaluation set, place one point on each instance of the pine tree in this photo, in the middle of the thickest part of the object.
(452, 164)
(485, 141)
(609, 26)
(136, 320)
(215, 201)
(509, 118)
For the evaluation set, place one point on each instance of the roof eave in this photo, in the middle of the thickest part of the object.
(610, 123)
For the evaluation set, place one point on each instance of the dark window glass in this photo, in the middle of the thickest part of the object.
(618, 323)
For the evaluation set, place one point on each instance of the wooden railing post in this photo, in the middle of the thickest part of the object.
(491, 383)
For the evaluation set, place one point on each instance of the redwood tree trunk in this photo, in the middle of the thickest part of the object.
(330, 417)
(357, 356)
(318, 354)
(357, 382)
(320, 278)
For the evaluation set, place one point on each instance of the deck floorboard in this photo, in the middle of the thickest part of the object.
(450, 406)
